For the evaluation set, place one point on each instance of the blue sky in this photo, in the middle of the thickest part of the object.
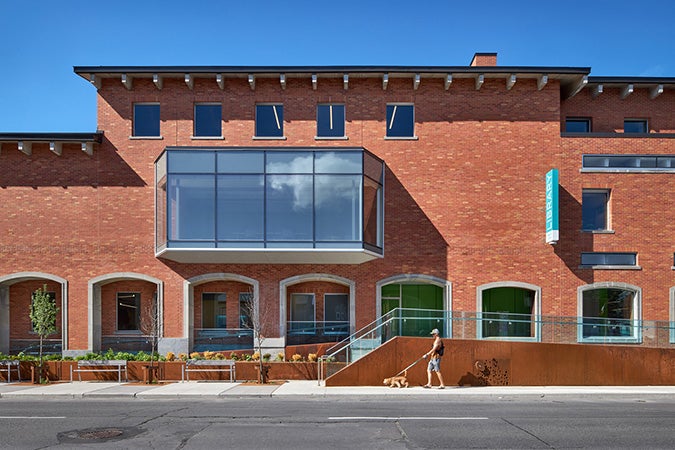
(41, 41)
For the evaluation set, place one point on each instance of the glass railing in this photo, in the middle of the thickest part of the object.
(498, 326)
(310, 332)
(222, 339)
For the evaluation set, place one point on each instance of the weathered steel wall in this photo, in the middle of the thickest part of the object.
(499, 363)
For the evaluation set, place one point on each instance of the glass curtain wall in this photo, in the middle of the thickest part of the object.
(269, 199)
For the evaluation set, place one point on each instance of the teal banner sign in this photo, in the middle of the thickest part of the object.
(552, 207)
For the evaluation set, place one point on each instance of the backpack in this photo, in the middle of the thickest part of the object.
(441, 349)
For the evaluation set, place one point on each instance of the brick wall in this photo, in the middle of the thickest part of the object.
(464, 202)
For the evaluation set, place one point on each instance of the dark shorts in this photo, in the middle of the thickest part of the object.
(434, 365)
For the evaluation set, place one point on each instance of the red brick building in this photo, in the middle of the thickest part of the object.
(328, 196)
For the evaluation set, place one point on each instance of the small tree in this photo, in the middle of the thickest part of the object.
(43, 311)
(257, 319)
(151, 326)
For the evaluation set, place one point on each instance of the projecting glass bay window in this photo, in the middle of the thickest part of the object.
(247, 199)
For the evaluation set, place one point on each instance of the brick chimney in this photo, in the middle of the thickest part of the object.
(484, 59)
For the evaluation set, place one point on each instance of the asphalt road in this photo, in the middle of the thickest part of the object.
(355, 423)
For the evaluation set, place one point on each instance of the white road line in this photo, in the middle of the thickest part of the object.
(32, 417)
(405, 418)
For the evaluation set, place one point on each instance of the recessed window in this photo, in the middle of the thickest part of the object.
(336, 313)
(208, 119)
(400, 120)
(303, 314)
(628, 163)
(577, 125)
(128, 311)
(146, 120)
(608, 259)
(635, 126)
(214, 313)
(508, 312)
(609, 314)
(330, 120)
(594, 209)
(269, 120)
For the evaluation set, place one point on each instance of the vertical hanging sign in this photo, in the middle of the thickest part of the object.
(552, 207)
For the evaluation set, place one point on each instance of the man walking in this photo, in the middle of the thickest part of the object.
(435, 360)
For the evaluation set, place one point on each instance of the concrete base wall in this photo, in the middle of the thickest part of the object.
(492, 363)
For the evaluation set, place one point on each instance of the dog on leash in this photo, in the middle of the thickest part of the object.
(399, 381)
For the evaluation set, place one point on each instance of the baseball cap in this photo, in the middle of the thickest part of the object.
(434, 331)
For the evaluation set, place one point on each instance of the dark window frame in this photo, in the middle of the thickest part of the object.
(142, 115)
(136, 323)
(400, 124)
(638, 163)
(215, 298)
(204, 122)
(643, 129)
(608, 259)
(321, 131)
(578, 120)
(275, 114)
(607, 196)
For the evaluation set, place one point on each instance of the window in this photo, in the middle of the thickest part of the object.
(302, 314)
(609, 313)
(608, 259)
(208, 118)
(509, 312)
(594, 209)
(577, 125)
(230, 199)
(400, 120)
(635, 126)
(336, 314)
(214, 313)
(628, 163)
(427, 298)
(128, 311)
(245, 310)
(146, 120)
(330, 120)
(269, 120)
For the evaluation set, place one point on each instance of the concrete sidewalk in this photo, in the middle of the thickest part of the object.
(196, 389)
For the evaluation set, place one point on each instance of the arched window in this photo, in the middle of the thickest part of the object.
(509, 310)
(609, 312)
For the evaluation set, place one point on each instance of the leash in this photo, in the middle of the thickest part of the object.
(418, 360)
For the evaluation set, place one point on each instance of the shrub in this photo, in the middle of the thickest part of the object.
(312, 357)
(296, 358)
(170, 356)
(195, 355)
(280, 356)
(182, 356)
(255, 356)
(209, 355)
(267, 356)
(234, 356)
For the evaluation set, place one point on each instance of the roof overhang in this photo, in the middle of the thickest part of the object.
(267, 256)
(626, 85)
(25, 141)
(569, 77)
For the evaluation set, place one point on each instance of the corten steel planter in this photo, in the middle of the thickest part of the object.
(502, 363)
